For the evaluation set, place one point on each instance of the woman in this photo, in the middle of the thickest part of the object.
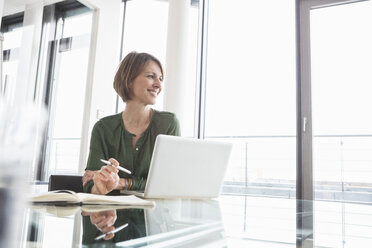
(127, 139)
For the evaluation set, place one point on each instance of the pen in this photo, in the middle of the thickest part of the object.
(113, 231)
(119, 167)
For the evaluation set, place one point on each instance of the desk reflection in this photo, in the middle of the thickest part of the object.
(181, 223)
(247, 222)
(187, 223)
(95, 224)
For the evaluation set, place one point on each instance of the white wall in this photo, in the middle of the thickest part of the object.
(12, 8)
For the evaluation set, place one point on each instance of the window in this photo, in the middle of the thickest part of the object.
(11, 28)
(65, 74)
(251, 94)
(341, 82)
(146, 30)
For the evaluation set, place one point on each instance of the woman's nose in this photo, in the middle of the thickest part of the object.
(157, 83)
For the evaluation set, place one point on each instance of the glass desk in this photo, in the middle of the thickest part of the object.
(229, 221)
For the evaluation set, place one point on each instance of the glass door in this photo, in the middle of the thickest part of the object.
(334, 90)
(250, 97)
(341, 82)
(335, 82)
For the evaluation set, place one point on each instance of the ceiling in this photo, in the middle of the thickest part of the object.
(18, 3)
(21, 2)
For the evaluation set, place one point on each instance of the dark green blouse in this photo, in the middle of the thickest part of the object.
(136, 228)
(110, 139)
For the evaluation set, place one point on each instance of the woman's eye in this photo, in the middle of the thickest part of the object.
(150, 76)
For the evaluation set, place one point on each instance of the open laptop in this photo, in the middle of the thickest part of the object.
(185, 168)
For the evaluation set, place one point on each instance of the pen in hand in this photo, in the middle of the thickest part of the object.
(114, 231)
(118, 167)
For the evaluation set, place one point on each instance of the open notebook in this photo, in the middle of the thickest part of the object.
(67, 197)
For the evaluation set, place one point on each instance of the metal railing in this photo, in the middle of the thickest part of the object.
(342, 176)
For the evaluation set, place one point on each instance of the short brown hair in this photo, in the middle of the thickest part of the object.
(130, 67)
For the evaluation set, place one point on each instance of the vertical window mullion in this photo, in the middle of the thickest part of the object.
(304, 185)
(201, 71)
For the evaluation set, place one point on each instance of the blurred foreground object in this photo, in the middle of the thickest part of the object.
(21, 126)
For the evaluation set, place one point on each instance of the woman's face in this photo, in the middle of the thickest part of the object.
(147, 85)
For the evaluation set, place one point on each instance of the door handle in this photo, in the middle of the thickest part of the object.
(304, 124)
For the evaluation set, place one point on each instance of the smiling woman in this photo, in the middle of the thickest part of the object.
(147, 85)
(139, 73)
(128, 138)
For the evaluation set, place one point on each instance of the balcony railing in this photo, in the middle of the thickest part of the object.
(266, 166)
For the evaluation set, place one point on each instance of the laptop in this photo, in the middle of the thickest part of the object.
(185, 168)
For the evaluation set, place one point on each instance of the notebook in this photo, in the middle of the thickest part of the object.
(185, 168)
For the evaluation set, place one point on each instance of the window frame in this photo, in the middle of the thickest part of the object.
(51, 15)
(305, 187)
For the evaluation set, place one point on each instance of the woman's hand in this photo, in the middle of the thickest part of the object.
(106, 179)
(104, 221)
(88, 175)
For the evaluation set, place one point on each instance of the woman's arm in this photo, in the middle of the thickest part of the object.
(174, 127)
(97, 151)
(137, 183)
